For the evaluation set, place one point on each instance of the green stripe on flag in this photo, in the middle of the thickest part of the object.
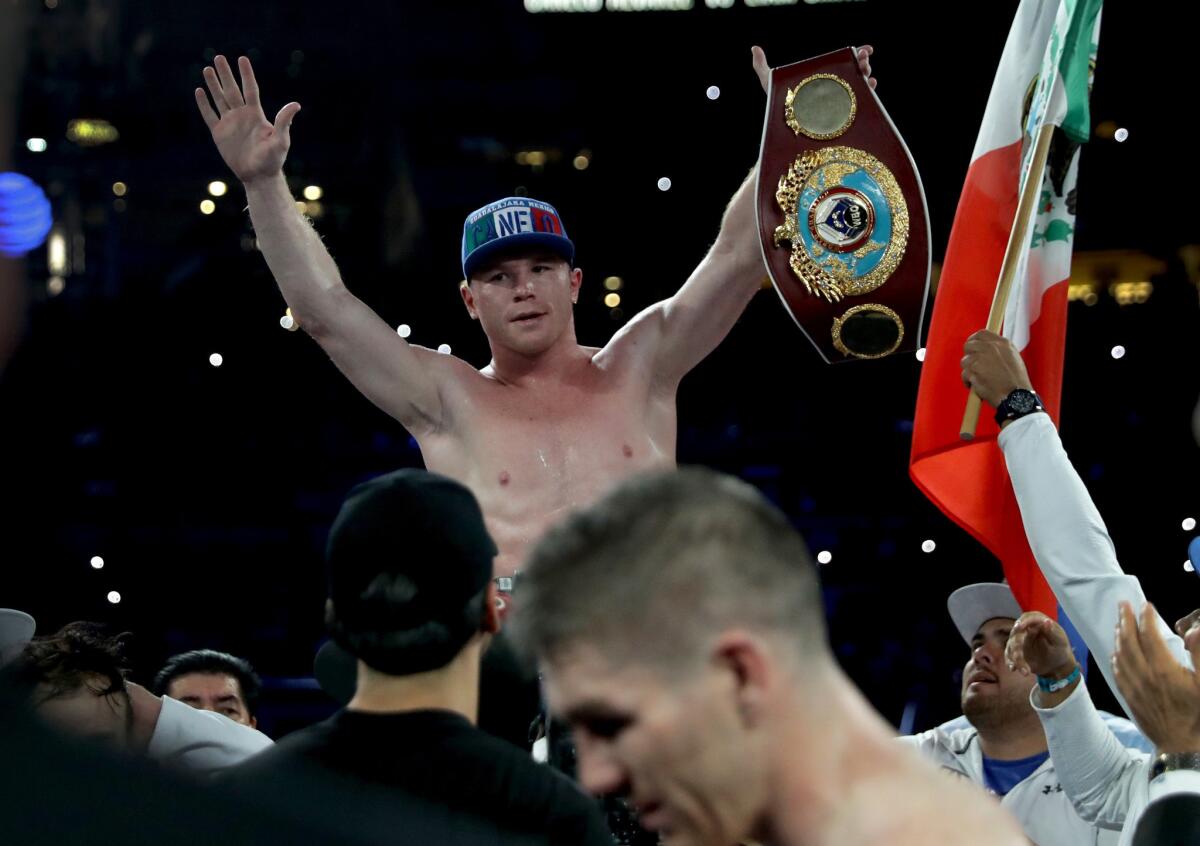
(1074, 67)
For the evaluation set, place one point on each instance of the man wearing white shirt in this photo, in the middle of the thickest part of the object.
(76, 682)
(1106, 783)
(999, 742)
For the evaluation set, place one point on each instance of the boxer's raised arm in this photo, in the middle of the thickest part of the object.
(697, 318)
(398, 378)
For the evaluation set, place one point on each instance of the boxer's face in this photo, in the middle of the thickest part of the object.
(524, 301)
(675, 748)
(990, 691)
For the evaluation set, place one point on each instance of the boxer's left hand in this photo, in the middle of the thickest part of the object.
(864, 64)
(759, 60)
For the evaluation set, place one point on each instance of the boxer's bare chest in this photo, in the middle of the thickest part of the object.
(533, 453)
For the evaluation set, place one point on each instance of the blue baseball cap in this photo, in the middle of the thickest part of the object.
(512, 222)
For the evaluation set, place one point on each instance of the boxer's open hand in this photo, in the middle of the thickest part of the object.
(252, 147)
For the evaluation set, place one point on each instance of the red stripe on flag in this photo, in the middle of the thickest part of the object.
(968, 480)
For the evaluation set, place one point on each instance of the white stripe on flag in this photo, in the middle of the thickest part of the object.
(1046, 257)
(1019, 64)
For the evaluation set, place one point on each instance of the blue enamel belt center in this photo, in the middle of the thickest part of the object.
(844, 220)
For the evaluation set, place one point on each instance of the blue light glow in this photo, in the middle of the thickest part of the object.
(25, 217)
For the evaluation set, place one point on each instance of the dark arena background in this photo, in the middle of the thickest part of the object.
(171, 458)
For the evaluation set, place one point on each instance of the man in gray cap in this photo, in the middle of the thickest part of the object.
(411, 598)
(999, 743)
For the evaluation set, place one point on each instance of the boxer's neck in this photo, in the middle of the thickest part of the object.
(845, 743)
(555, 363)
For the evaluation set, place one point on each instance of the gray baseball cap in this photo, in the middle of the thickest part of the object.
(973, 605)
(16, 630)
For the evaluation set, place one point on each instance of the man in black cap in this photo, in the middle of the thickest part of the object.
(411, 597)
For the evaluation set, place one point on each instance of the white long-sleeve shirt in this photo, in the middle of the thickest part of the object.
(201, 741)
(1070, 541)
(1107, 783)
(1039, 802)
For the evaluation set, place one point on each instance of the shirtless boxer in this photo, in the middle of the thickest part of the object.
(679, 626)
(548, 425)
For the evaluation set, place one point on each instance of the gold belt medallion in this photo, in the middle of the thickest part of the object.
(845, 221)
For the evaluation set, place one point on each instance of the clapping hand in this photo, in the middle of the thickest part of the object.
(1163, 695)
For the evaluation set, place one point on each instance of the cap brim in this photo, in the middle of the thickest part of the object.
(336, 671)
(556, 244)
(16, 629)
(973, 605)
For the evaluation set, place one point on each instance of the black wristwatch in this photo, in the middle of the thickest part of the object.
(1017, 404)
(1170, 761)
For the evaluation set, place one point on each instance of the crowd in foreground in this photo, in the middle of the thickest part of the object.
(684, 668)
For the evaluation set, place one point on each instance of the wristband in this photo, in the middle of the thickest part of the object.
(1050, 685)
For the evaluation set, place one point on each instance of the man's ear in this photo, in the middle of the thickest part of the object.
(468, 298)
(576, 283)
(746, 658)
(491, 610)
(254, 722)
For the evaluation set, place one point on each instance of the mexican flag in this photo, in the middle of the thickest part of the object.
(1044, 77)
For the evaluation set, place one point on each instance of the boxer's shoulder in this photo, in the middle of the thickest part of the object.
(632, 349)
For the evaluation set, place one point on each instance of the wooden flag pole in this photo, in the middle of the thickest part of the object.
(1017, 240)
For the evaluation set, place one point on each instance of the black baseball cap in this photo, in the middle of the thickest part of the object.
(426, 529)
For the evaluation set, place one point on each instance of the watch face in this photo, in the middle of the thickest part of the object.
(1022, 402)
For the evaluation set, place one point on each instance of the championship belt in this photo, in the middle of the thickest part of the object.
(841, 212)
